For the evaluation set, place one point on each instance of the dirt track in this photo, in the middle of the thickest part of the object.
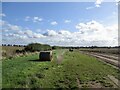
(106, 58)
(60, 57)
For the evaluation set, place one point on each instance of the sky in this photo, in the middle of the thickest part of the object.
(60, 23)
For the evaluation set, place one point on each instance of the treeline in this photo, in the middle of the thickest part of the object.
(33, 47)
(89, 47)
(13, 45)
(45, 47)
(37, 47)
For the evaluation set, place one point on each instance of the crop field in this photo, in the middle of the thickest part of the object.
(76, 70)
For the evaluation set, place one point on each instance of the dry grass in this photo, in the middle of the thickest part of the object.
(9, 51)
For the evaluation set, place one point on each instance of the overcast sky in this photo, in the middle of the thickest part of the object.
(64, 24)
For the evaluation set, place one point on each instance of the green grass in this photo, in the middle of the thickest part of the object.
(18, 71)
(24, 72)
(88, 68)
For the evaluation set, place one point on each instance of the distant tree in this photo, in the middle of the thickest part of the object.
(4, 45)
(37, 47)
(9, 45)
(54, 47)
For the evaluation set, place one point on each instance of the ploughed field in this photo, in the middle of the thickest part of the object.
(66, 70)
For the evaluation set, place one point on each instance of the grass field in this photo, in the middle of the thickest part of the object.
(75, 71)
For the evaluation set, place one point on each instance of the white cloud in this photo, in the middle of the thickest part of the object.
(37, 19)
(20, 32)
(97, 5)
(33, 19)
(62, 37)
(22, 37)
(54, 23)
(32, 34)
(88, 34)
(65, 34)
(2, 22)
(38, 35)
(94, 31)
(89, 26)
(117, 2)
(88, 8)
(67, 21)
(29, 33)
(50, 33)
(14, 27)
(27, 18)
(13, 34)
(2, 15)
(60, 33)
(98, 2)
(9, 27)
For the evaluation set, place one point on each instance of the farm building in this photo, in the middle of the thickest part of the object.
(45, 56)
